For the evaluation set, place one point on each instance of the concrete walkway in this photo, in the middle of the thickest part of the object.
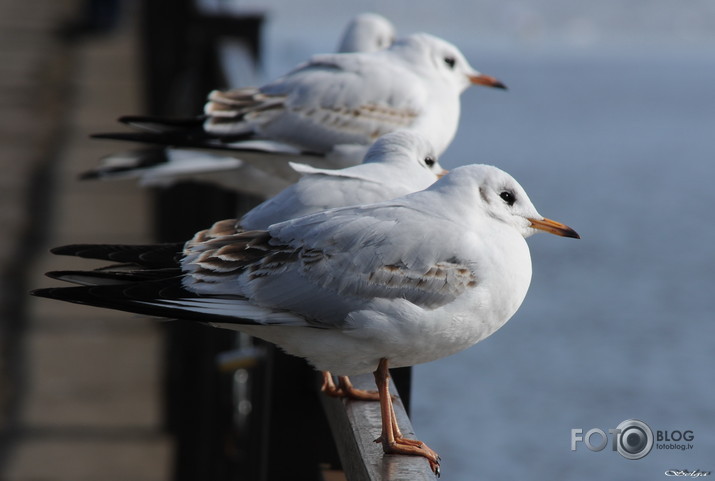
(79, 387)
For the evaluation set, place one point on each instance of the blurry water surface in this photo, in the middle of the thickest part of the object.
(609, 124)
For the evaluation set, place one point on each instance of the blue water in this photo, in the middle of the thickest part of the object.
(614, 136)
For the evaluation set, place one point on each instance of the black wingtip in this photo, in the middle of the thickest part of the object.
(57, 275)
(47, 293)
(60, 250)
(142, 137)
(89, 175)
(99, 275)
(69, 249)
(142, 121)
(150, 255)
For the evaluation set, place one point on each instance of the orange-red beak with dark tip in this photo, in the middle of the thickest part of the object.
(486, 80)
(553, 227)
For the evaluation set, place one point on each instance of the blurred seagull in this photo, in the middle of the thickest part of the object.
(367, 32)
(329, 110)
(352, 290)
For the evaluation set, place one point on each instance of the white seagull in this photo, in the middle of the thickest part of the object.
(329, 110)
(342, 101)
(352, 290)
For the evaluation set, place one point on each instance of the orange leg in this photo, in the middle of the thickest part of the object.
(329, 386)
(346, 389)
(391, 438)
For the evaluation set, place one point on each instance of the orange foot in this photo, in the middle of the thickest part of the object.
(412, 447)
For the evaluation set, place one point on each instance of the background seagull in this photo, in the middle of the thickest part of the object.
(329, 110)
(367, 32)
(352, 290)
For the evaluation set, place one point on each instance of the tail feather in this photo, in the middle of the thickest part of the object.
(150, 282)
(142, 298)
(114, 275)
(194, 139)
(150, 256)
(167, 298)
(162, 124)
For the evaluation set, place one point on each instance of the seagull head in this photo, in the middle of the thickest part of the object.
(444, 60)
(408, 150)
(367, 32)
(500, 197)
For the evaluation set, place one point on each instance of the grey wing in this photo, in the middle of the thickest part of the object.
(328, 101)
(360, 257)
(323, 266)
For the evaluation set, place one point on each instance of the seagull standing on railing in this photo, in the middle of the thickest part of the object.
(397, 164)
(352, 290)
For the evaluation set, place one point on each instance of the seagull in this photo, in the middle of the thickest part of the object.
(329, 110)
(398, 163)
(366, 32)
(353, 290)
(352, 99)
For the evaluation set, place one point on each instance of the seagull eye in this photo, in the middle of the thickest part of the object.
(450, 61)
(429, 161)
(508, 197)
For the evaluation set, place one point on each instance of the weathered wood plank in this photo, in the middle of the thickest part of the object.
(356, 425)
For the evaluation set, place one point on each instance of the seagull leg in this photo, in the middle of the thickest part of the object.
(329, 386)
(346, 389)
(392, 440)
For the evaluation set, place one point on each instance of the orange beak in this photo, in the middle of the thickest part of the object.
(486, 80)
(553, 227)
(442, 174)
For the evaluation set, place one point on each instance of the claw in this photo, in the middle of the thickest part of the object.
(415, 448)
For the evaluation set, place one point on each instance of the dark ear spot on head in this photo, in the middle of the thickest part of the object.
(483, 194)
